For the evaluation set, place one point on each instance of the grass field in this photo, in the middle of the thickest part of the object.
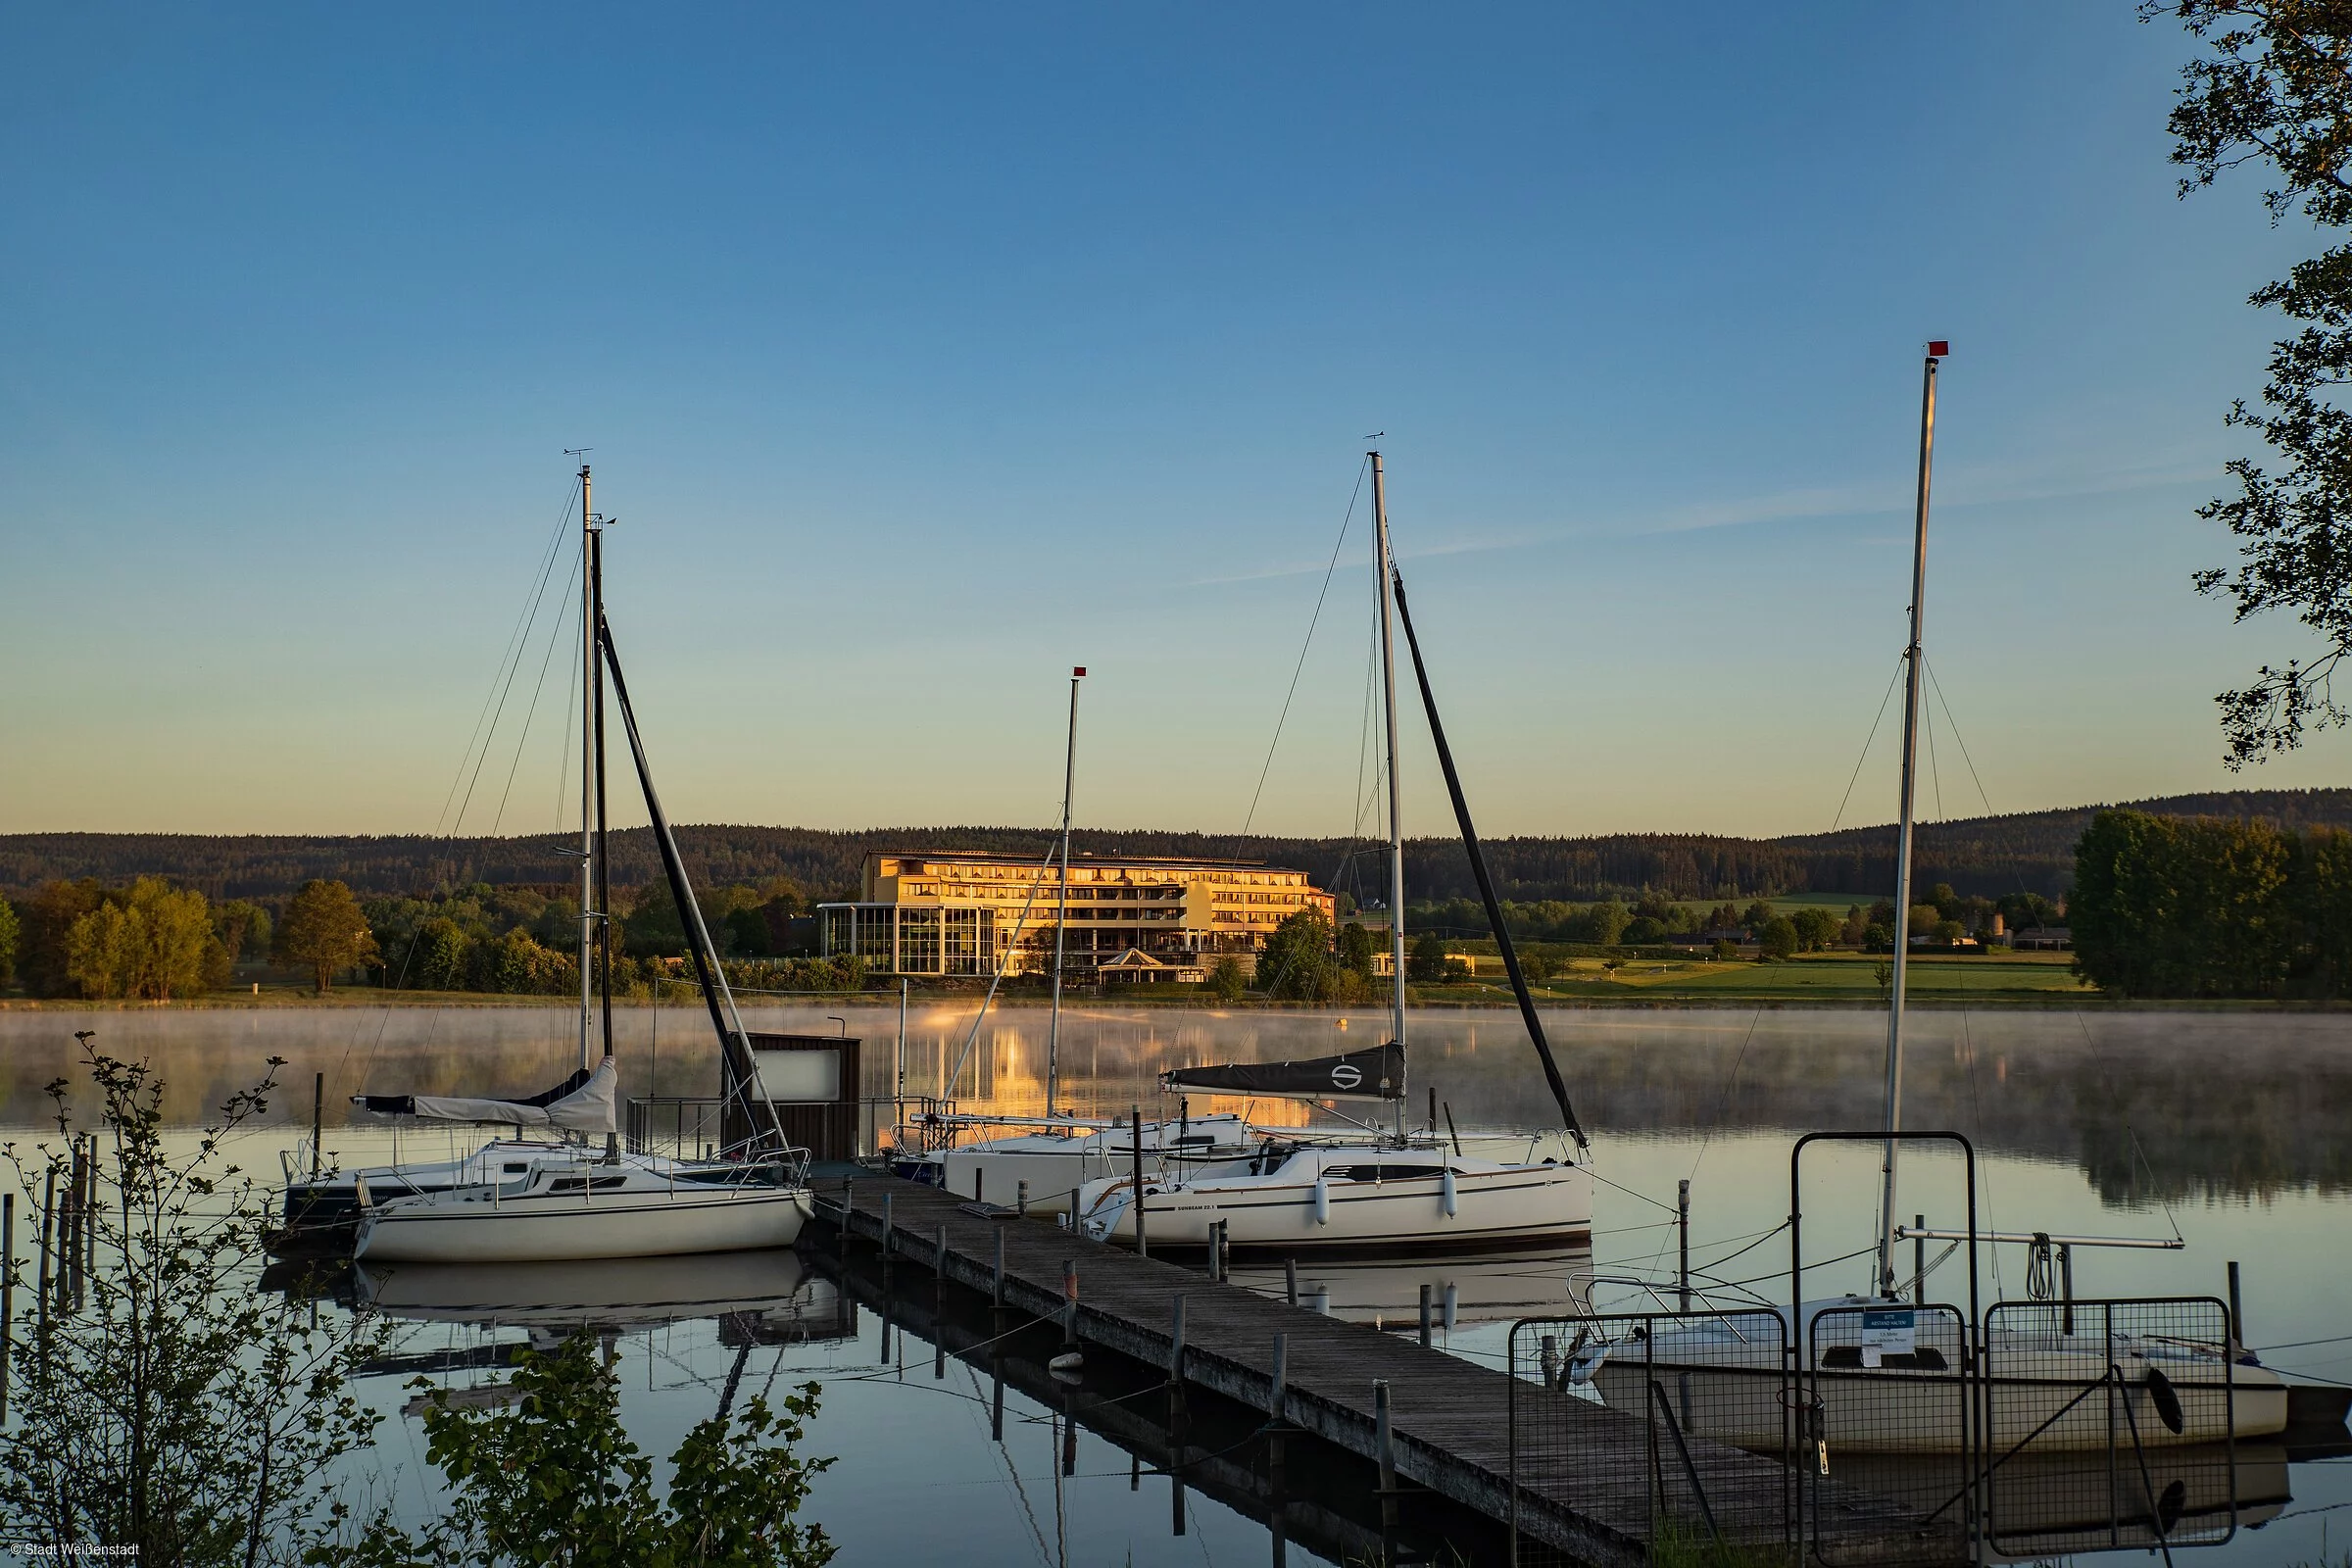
(1812, 977)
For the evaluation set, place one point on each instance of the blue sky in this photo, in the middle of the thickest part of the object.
(927, 351)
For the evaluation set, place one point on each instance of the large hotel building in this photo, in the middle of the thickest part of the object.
(962, 913)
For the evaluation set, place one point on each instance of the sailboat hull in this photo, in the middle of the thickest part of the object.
(472, 1228)
(1294, 1210)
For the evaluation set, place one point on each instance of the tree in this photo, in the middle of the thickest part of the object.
(2270, 85)
(1426, 965)
(178, 1414)
(1778, 937)
(149, 940)
(49, 916)
(2174, 906)
(1356, 947)
(1816, 928)
(556, 1480)
(1297, 962)
(11, 931)
(1226, 981)
(323, 929)
(1756, 917)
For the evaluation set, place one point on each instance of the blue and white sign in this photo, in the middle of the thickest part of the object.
(1886, 1332)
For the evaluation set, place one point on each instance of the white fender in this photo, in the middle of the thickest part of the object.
(1322, 1202)
(1446, 1196)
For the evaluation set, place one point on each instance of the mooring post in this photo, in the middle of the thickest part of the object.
(48, 1224)
(1020, 1199)
(1279, 1387)
(995, 1398)
(1176, 1337)
(889, 1235)
(979, 1184)
(2237, 1321)
(1918, 1260)
(1681, 1227)
(8, 1289)
(1547, 1359)
(995, 1284)
(2066, 1290)
(1384, 1448)
(1074, 1191)
(317, 1120)
(1425, 1342)
(1290, 1281)
(1070, 1304)
(848, 1211)
(939, 1254)
(1135, 1137)
(1216, 1250)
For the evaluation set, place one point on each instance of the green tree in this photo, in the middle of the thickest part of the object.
(1296, 960)
(240, 928)
(48, 919)
(1427, 964)
(178, 1412)
(1816, 928)
(2269, 86)
(324, 930)
(2174, 906)
(1356, 947)
(1226, 981)
(1777, 938)
(1644, 929)
(1756, 917)
(11, 933)
(555, 1480)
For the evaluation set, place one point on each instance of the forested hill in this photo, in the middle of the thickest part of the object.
(2029, 852)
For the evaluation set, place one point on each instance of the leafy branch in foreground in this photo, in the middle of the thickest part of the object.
(169, 1406)
(2274, 86)
(555, 1480)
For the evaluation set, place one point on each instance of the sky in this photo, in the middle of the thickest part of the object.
(924, 352)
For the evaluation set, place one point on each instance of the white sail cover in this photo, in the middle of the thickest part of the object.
(581, 1103)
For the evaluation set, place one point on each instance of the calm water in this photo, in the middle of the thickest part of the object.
(2235, 1129)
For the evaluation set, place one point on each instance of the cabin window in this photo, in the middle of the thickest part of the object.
(1389, 1173)
(1926, 1359)
(516, 1168)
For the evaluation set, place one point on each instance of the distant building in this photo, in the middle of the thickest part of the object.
(2041, 939)
(965, 912)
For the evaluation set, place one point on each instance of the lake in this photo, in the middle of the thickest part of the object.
(2235, 1128)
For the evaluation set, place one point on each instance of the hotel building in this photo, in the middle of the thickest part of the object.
(964, 912)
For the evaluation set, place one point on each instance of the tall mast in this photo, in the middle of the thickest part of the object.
(588, 691)
(1383, 565)
(1912, 656)
(1062, 916)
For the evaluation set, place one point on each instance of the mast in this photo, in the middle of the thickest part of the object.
(588, 748)
(1382, 566)
(1888, 1219)
(1062, 916)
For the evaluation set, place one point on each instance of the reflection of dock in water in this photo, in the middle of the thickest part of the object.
(1299, 1489)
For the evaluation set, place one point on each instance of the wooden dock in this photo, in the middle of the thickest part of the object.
(1449, 1420)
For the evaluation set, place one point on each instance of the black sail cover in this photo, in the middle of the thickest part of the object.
(1375, 1073)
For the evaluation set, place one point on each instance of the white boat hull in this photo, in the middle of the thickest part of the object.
(1298, 1210)
(544, 1227)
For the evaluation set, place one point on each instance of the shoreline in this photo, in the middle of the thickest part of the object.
(362, 998)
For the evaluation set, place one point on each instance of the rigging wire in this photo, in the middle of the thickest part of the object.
(1301, 668)
(1847, 797)
(563, 625)
(511, 651)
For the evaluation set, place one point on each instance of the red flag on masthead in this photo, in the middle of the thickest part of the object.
(1938, 349)
(1077, 670)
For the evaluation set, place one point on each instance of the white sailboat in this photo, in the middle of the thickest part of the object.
(1888, 1373)
(512, 1202)
(1381, 1194)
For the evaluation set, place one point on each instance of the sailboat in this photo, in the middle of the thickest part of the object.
(1888, 1372)
(514, 1203)
(1389, 1193)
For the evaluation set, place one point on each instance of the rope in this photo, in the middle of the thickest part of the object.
(1848, 796)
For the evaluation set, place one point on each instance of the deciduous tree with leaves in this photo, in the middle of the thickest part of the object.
(2272, 86)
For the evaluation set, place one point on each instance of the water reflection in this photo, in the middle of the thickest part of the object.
(1462, 1291)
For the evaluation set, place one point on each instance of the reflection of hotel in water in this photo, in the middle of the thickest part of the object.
(958, 912)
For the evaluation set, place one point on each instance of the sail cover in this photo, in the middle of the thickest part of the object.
(1376, 1073)
(581, 1103)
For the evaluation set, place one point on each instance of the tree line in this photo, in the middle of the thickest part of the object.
(149, 940)
(1986, 857)
(2174, 906)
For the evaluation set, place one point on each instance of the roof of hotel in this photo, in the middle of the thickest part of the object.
(1077, 857)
